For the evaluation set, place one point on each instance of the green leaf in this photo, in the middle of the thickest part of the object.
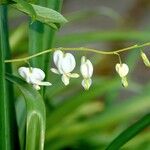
(96, 36)
(5, 1)
(8, 125)
(43, 14)
(36, 118)
(129, 133)
(28, 7)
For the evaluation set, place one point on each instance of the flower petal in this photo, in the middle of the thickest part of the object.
(37, 87)
(65, 79)
(24, 72)
(122, 69)
(86, 68)
(55, 71)
(57, 56)
(86, 83)
(68, 63)
(74, 75)
(124, 82)
(44, 83)
(37, 74)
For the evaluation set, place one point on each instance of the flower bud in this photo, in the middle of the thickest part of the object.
(145, 59)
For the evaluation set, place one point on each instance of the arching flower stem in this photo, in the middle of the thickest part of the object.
(80, 49)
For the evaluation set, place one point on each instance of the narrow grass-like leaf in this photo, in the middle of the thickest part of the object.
(129, 133)
(35, 121)
(49, 35)
(8, 125)
(4, 121)
(36, 43)
(44, 15)
(86, 37)
(111, 116)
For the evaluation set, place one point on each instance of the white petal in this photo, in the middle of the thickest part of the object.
(37, 74)
(24, 72)
(86, 68)
(57, 56)
(68, 63)
(122, 69)
(37, 87)
(83, 59)
(44, 83)
(86, 83)
(74, 75)
(65, 79)
(124, 81)
(55, 71)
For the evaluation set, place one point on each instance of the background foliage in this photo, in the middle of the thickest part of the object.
(70, 117)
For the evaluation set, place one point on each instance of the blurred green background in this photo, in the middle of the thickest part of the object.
(90, 120)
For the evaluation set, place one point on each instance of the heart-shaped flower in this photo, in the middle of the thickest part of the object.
(65, 63)
(86, 70)
(122, 69)
(34, 76)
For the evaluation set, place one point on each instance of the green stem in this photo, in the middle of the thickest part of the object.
(35, 41)
(8, 133)
(80, 49)
(36, 31)
(49, 33)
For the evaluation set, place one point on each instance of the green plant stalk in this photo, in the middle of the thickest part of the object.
(49, 33)
(35, 42)
(129, 133)
(8, 139)
(36, 30)
(81, 49)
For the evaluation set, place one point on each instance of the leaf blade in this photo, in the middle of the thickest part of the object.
(36, 118)
(129, 133)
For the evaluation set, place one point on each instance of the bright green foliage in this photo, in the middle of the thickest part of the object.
(8, 126)
(43, 14)
(67, 117)
(129, 133)
(27, 7)
(35, 117)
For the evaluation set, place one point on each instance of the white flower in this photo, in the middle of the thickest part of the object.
(65, 63)
(34, 76)
(86, 69)
(122, 70)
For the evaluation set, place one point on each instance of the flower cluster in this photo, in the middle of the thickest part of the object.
(65, 64)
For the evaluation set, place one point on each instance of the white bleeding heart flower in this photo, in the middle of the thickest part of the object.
(86, 70)
(65, 63)
(34, 76)
(122, 70)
